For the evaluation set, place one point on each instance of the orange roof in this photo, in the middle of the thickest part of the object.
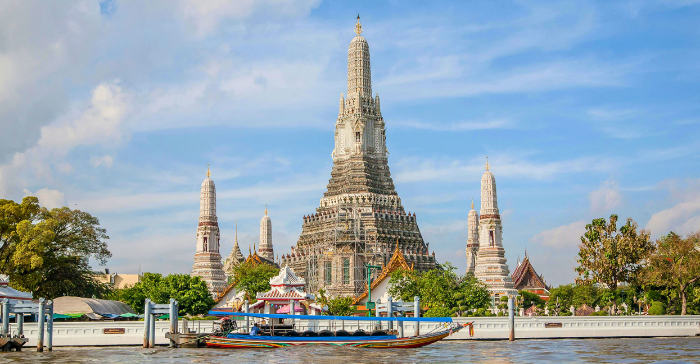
(396, 262)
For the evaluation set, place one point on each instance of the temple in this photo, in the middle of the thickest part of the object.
(235, 258)
(526, 279)
(360, 216)
(491, 267)
(265, 247)
(472, 239)
(207, 260)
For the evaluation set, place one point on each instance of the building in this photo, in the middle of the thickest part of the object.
(10, 293)
(284, 288)
(230, 297)
(207, 260)
(525, 278)
(118, 281)
(472, 239)
(360, 216)
(491, 267)
(380, 284)
(235, 258)
(265, 249)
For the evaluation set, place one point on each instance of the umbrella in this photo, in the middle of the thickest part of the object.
(285, 309)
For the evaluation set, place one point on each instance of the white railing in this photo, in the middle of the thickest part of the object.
(93, 332)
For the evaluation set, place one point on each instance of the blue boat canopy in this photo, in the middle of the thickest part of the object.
(318, 317)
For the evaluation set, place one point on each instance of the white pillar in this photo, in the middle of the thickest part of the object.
(246, 309)
(5, 317)
(146, 322)
(511, 319)
(390, 312)
(49, 327)
(42, 318)
(416, 313)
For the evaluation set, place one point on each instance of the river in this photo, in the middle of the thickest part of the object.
(648, 350)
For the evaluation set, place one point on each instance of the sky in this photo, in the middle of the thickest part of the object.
(584, 108)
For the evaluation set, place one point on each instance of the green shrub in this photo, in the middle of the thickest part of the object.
(600, 313)
(438, 312)
(657, 308)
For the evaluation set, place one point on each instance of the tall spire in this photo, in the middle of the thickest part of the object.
(488, 166)
(265, 248)
(359, 73)
(236, 243)
(207, 259)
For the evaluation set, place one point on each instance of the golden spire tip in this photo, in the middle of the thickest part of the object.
(208, 171)
(358, 26)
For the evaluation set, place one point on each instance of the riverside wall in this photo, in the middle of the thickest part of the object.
(101, 333)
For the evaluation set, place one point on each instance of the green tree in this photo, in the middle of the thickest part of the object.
(675, 263)
(530, 299)
(191, 293)
(341, 306)
(609, 255)
(48, 252)
(440, 287)
(253, 278)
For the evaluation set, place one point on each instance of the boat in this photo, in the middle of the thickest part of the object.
(375, 340)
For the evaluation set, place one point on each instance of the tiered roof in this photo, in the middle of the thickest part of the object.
(526, 278)
(286, 277)
(396, 262)
(285, 286)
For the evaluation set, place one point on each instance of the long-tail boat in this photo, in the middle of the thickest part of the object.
(360, 339)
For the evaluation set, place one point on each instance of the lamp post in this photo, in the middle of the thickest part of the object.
(370, 304)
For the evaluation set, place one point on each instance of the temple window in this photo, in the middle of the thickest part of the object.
(491, 239)
(346, 271)
(328, 274)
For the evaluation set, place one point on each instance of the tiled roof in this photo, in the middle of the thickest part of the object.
(522, 270)
(286, 277)
(396, 262)
(279, 293)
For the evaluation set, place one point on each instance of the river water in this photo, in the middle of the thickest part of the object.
(654, 350)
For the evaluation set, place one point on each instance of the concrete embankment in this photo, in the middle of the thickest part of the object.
(563, 327)
(487, 328)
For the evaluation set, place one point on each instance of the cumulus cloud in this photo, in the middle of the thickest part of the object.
(683, 217)
(566, 236)
(101, 122)
(105, 160)
(48, 198)
(605, 198)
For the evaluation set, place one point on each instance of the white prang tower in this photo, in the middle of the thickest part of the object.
(207, 260)
(265, 247)
(491, 267)
(472, 239)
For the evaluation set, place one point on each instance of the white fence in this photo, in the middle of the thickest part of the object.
(110, 332)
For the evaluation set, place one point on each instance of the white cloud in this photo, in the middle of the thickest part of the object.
(206, 15)
(567, 236)
(48, 198)
(105, 160)
(605, 198)
(101, 122)
(683, 217)
(459, 126)
(503, 165)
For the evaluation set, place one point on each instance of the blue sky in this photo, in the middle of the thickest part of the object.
(584, 109)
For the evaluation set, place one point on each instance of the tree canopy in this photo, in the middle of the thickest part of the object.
(675, 263)
(609, 255)
(48, 252)
(440, 289)
(253, 278)
(191, 293)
